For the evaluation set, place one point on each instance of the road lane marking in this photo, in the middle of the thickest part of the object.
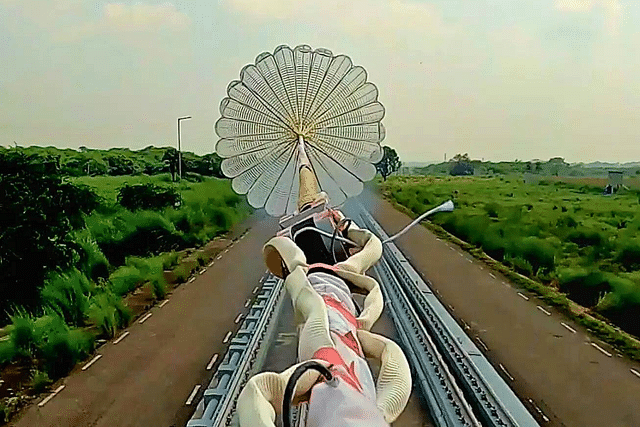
(121, 337)
(247, 302)
(202, 271)
(451, 248)
(51, 396)
(144, 319)
(212, 362)
(226, 338)
(506, 372)
(451, 307)
(482, 344)
(255, 290)
(163, 303)
(218, 257)
(91, 362)
(542, 309)
(470, 260)
(544, 417)
(600, 349)
(526, 298)
(465, 324)
(460, 253)
(210, 264)
(492, 275)
(226, 250)
(193, 394)
(634, 372)
(238, 318)
(193, 279)
(568, 327)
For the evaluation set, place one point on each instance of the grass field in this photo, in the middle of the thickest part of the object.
(566, 235)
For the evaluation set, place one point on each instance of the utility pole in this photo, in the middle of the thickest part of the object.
(179, 150)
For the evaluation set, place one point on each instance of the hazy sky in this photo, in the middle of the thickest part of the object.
(499, 79)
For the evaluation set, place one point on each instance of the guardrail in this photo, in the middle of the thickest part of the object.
(491, 398)
(242, 358)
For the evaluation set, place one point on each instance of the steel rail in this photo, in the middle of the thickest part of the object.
(493, 401)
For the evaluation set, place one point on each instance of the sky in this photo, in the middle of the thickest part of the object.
(498, 79)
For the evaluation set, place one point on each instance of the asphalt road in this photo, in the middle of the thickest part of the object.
(147, 378)
(568, 378)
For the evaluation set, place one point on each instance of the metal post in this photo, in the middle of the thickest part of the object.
(179, 148)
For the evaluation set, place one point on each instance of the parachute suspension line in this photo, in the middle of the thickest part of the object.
(309, 187)
(291, 386)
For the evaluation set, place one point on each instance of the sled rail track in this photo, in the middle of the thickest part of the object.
(493, 402)
(457, 382)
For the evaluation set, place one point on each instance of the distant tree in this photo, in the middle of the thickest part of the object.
(461, 165)
(390, 162)
(38, 211)
(170, 158)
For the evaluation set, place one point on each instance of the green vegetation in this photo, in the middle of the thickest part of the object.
(72, 247)
(567, 239)
(123, 161)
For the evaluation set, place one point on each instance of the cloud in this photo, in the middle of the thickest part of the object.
(611, 8)
(393, 23)
(144, 17)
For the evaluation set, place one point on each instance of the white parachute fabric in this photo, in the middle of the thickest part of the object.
(292, 93)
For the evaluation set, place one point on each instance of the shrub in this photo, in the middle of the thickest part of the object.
(63, 348)
(492, 209)
(66, 294)
(585, 288)
(584, 237)
(567, 221)
(23, 334)
(7, 351)
(125, 279)
(629, 255)
(148, 196)
(40, 381)
(92, 262)
(108, 313)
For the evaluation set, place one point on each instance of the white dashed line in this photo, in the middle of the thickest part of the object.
(470, 260)
(193, 279)
(247, 302)
(451, 307)
(219, 257)
(212, 362)
(482, 344)
(202, 271)
(210, 264)
(238, 318)
(163, 303)
(255, 290)
(91, 362)
(600, 349)
(506, 372)
(226, 250)
(523, 296)
(193, 394)
(144, 319)
(465, 324)
(451, 248)
(121, 337)
(492, 275)
(634, 372)
(226, 338)
(542, 309)
(51, 396)
(568, 327)
(460, 253)
(544, 417)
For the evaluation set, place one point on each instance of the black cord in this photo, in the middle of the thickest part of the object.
(291, 385)
(335, 233)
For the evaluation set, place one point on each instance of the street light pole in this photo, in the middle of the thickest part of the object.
(179, 149)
